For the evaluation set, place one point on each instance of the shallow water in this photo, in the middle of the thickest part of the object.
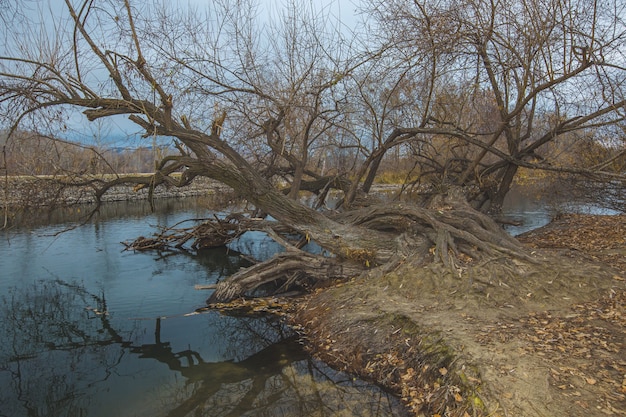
(527, 212)
(532, 212)
(88, 329)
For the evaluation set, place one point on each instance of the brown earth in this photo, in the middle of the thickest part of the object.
(542, 344)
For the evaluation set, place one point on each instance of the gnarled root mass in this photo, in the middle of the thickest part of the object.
(447, 236)
(459, 241)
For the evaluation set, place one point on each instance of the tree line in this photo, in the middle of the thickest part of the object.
(31, 154)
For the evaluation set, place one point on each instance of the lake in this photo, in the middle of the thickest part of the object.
(89, 329)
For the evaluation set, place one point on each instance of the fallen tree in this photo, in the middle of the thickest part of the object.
(448, 232)
(479, 93)
(262, 133)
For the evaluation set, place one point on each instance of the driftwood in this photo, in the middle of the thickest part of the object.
(205, 287)
(208, 233)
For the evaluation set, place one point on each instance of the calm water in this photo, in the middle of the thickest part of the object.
(532, 212)
(87, 329)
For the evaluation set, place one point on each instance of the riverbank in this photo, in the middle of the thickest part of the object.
(549, 345)
(42, 191)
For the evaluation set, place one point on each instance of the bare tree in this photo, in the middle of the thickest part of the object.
(251, 108)
(524, 59)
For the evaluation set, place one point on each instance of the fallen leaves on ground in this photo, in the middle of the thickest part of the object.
(603, 238)
(585, 350)
(580, 231)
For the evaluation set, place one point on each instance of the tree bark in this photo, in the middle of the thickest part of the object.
(448, 232)
(497, 200)
(285, 270)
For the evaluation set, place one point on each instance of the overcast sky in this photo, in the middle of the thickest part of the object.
(345, 10)
(119, 129)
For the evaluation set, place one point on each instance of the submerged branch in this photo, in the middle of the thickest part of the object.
(208, 233)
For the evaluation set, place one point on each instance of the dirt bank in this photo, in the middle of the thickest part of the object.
(548, 344)
(27, 192)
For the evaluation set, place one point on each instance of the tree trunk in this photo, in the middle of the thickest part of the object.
(497, 200)
(448, 232)
(284, 270)
(371, 174)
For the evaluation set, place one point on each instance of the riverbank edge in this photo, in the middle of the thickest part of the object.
(418, 363)
(427, 361)
(43, 191)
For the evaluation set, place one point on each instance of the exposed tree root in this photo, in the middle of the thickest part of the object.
(286, 270)
(447, 234)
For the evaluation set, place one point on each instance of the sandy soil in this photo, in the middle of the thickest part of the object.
(547, 344)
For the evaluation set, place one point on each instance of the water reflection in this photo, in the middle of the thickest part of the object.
(65, 354)
(90, 330)
(73, 214)
(48, 334)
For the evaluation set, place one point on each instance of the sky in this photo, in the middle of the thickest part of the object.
(119, 131)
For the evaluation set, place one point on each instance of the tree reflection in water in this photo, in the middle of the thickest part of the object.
(59, 353)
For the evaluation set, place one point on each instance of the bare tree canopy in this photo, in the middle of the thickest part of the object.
(464, 94)
(506, 80)
(457, 99)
